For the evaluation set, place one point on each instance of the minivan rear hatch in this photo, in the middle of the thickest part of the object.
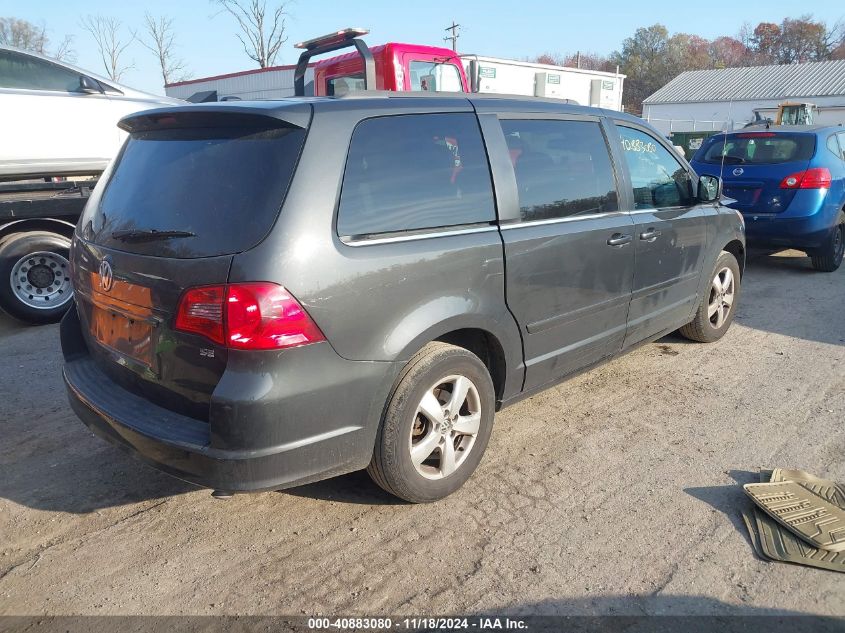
(191, 187)
(754, 165)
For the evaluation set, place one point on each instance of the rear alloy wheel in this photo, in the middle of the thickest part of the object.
(445, 427)
(436, 424)
(718, 303)
(35, 281)
(828, 258)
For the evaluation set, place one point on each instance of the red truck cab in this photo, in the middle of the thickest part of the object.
(396, 66)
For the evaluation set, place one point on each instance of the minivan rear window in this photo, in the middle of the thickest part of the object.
(758, 148)
(223, 186)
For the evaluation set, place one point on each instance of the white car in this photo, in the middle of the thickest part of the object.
(59, 119)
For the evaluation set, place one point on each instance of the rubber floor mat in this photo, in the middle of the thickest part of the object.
(751, 523)
(811, 517)
(826, 489)
(771, 541)
(778, 543)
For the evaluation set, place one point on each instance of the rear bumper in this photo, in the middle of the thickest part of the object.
(772, 230)
(805, 224)
(249, 445)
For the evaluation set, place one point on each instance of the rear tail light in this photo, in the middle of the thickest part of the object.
(253, 316)
(815, 178)
(201, 312)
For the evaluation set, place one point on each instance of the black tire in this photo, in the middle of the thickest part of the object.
(392, 467)
(828, 258)
(705, 328)
(12, 249)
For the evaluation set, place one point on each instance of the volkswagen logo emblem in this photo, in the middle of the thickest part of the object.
(106, 275)
(739, 171)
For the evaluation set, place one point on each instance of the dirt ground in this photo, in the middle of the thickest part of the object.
(615, 493)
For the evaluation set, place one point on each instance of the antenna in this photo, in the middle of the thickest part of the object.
(454, 36)
(725, 140)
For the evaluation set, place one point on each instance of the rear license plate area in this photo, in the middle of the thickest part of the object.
(129, 337)
(743, 196)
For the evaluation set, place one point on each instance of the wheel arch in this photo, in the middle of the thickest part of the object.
(50, 225)
(487, 347)
(498, 349)
(737, 249)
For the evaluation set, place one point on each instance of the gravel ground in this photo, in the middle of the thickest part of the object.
(614, 493)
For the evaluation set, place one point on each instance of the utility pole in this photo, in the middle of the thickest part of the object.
(454, 36)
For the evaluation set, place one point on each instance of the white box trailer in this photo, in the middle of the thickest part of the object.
(508, 76)
(484, 74)
(275, 82)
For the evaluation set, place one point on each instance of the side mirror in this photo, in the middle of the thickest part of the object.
(709, 188)
(89, 86)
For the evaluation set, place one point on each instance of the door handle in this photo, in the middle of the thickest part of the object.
(619, 239)
(650, 235)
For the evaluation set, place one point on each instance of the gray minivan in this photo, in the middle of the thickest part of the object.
(269, 294)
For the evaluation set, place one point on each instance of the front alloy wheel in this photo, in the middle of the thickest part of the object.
(721, 297)
(717, 303)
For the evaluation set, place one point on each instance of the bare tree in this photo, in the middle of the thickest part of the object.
(111, 45)
(261, 35)
(161, 44)
(31, 37)
(24, 35)
(64, 51)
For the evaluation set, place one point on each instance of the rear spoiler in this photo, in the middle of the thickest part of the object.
(202, 115)
(332, 42)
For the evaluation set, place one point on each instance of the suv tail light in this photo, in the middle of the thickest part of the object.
(815, 178)
(253, 316)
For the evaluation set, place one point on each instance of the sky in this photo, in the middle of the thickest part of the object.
(513, 29)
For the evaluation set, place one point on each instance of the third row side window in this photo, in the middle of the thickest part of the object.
(415, 172)
(562, 168)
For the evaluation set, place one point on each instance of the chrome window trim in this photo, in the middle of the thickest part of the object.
(570, 218)
(415, 236)
(365, 241)
(573, 218)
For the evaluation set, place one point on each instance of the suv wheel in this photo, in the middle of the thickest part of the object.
(829, 257)
(718, 304)
(436, 425)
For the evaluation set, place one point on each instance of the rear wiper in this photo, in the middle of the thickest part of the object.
(734, 159)
(148, 235)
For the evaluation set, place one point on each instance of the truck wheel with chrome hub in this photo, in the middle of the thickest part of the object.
(436, 424)
(35, 283)
(717, 306)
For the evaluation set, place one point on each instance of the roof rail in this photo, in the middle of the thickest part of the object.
(332, 42)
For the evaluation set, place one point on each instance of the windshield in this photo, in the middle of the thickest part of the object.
(216, 190)
(758, 148)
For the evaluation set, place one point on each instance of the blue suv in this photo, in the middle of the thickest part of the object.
(788, 183)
